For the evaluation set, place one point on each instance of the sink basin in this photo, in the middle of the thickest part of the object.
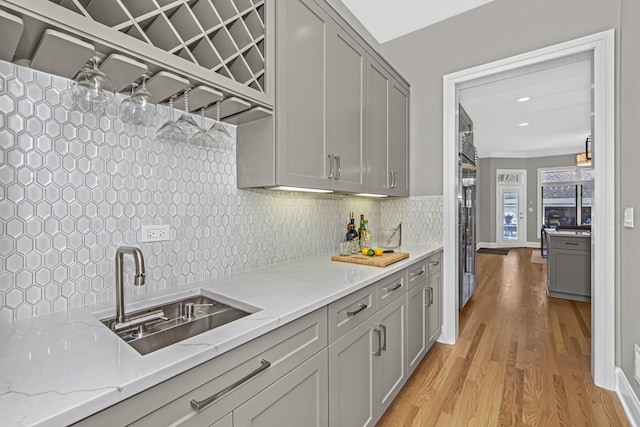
(157, 327)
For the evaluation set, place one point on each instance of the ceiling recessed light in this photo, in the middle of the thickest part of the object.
(525, 99)
(523, 124)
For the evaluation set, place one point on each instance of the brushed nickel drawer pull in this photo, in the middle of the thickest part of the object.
(418, 274)
(395, 288)
(199, 405)
(354, 312)
(571, 243)
(434, 263)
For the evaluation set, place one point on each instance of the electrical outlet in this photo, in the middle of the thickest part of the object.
(155, 233)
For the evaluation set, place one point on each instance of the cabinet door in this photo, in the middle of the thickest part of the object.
(376, 124)
(417, 326)
(302, 94)
(225, 422)
(390, 372)
(348, 113)
(398, 139)
(299, 398)
(351, 377)
(434, 307)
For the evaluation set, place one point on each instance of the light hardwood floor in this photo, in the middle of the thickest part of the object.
(522, 359)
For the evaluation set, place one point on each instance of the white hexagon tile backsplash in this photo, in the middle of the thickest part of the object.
(74, 186)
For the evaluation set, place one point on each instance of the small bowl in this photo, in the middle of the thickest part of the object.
(389, 237)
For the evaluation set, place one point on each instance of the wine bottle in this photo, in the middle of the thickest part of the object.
(352, 233)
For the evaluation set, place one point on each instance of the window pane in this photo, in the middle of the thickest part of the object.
(559, 205)
(587, 196)
(559, 176)
(510, 215)
(586, 175)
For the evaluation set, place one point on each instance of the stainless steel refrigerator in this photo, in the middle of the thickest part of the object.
(467, 173)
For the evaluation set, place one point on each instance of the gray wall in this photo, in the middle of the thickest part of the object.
(497, 30)
(504, 28)
(487, 191)
(628, 194)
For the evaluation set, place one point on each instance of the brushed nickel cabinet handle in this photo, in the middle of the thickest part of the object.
(434, 263)
(394, 288)
(331, 165)
(354, 312)
(414, 274)
(390, 179)
(378, 352)
(199, 405)
(395, 184)
(384, 334)
(337, 167)
(430, 296)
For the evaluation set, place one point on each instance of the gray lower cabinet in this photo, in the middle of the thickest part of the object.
(339, 366)
(569, 267)
(299, 398)
(417, 325)
(367, 367)
(434, 307)
(240, 373)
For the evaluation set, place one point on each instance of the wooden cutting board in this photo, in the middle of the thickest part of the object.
(376, 261)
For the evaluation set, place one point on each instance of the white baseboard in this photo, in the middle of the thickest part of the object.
(494, 245)
(628, 398)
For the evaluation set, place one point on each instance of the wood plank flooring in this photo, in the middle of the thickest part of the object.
(522, 359)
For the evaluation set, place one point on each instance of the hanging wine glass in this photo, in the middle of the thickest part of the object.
(202, 138)
(218, 131)
(185, 122)
(169, 131)
(144, 105)
(127, 107)
(92, 89)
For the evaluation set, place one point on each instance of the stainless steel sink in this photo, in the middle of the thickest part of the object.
(162, 325)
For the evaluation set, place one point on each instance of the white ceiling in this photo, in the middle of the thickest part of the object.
(558, 112)
(388, 20)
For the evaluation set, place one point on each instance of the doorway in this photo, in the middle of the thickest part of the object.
(603, 244)
(511, 196)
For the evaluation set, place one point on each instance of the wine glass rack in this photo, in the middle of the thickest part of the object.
(224, 36)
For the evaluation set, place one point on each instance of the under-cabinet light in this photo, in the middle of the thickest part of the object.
(523, 124)
(300, 189)
(371, 195)
(524, 99)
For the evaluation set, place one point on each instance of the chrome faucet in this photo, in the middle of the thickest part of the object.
(138, 279)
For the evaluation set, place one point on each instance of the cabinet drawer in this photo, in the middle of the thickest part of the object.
(240, 372)
(577, 244)
(434, 263)
(348, 312)
(417, 273)
(390, 288)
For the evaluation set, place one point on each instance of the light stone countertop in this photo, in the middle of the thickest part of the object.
(569, 233)
(59, 368)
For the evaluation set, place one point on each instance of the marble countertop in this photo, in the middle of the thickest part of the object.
(569, 233)
(59, 368)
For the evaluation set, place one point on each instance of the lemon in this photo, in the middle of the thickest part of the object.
(370, 252)
(365, 251)
(378, 252)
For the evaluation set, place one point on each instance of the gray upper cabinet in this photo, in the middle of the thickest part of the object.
(387, 131)
(332, 127)
(302, 94)
(347, 146)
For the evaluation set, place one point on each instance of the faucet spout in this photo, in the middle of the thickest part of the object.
(138, 279)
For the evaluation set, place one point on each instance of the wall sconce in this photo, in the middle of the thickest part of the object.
(584, 159)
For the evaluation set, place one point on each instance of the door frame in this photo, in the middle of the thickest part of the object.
(602, 45)
(522, 222)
